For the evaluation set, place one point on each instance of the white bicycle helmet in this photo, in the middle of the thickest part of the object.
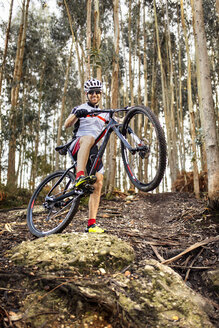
(92, 84)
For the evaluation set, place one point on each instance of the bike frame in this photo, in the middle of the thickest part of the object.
(113, 125)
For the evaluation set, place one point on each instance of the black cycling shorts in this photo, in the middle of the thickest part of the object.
(93, 152)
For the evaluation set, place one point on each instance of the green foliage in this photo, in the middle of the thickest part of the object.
(78, 14)
(59, 31)
(43, 167)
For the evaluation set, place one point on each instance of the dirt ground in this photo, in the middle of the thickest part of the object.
(158, 226)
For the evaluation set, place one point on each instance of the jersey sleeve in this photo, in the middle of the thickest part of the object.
(74, 110)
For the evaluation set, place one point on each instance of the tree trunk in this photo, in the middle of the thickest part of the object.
(182, 150)
(6, 47)
(124, 84)
(165, 100)
(11, 176)
(1, 78)
(114, 94)
(190, 104)
(153, 76)
(81, 75)
(63, 107)
(23, 136)
(145, 57)
(171, 98)
(138, 52)
(37, 136)
(130, 54)
(88, 72)
(97, 41)
(217, 7)
(97, 36)
(203, 150)
(206, 105)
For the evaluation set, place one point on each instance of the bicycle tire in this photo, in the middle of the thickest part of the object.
(148, 130)
(43, 218)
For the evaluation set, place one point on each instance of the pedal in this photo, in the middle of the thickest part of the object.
(90, 180)
(88, 189)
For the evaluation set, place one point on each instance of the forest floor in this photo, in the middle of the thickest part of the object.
(158, 226)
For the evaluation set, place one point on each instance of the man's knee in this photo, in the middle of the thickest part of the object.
(99, 183)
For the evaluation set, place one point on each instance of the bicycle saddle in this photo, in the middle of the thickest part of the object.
(63, 148)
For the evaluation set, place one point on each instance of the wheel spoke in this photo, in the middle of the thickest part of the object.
(46, 216)
(146, 164)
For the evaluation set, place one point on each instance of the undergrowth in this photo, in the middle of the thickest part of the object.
(16, 197)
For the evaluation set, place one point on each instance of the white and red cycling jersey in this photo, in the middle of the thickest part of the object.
(90, 125)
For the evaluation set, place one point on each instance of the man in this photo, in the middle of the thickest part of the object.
(86, 130)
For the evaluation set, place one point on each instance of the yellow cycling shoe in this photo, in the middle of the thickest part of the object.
(95, 229)
(82, 181)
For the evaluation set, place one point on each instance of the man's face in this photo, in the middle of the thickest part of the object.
(94, 97)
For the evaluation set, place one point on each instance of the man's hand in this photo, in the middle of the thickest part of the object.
(81, 113)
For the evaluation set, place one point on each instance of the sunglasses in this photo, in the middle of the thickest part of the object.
(94, 91)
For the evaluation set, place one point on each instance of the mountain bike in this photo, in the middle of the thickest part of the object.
(55, 201)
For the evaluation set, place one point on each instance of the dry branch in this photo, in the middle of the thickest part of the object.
(193, 261)
(156, 253)
(191, 248)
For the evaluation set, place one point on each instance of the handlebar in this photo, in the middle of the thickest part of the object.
(110, 111)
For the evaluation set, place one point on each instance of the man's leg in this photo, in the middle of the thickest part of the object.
(86, 143)
(95, 200)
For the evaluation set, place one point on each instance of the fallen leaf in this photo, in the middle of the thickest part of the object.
(15, 316)
(8, 227)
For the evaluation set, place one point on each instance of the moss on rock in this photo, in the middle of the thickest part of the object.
(160, 298)
(151, 295)
(72, 250)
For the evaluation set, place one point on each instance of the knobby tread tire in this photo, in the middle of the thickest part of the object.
(71, 213)
(162, 145)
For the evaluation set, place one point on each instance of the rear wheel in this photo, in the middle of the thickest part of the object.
(45, 217)
(145, 164)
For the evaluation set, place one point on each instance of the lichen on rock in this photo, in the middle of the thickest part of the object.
(160, 298)
(73, 250)
(151, 295)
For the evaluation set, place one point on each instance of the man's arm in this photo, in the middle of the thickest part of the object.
(73, 117)
(71, 120)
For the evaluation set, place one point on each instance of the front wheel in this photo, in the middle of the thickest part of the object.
(45, 217)
(145, 162)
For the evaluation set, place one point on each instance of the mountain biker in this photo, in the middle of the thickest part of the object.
(86, 130)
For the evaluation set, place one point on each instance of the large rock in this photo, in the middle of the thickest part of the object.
(73, 250)
(160, 298)
(148, 294)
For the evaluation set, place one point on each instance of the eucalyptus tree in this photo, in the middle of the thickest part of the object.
(206, 103)
(56, 88)
(211, 20)
(11, 174)
(2, 68)
(40, 92)
(4, 55)
(163, 57)
(88, 39)
(114, 94)
(190, 103)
